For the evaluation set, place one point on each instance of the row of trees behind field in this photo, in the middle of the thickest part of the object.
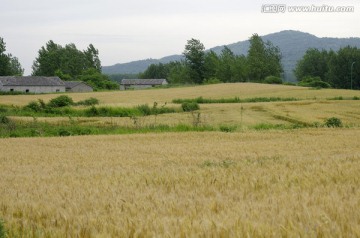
(67, 62)
(321, 68)
(199, 66)
(339, 69)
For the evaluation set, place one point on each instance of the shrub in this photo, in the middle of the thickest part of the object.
(314, 82)
(61, 101)
(2, 229)
(92, 111)
(227, 128)
(190, 106)
(89, 102)
(3, 109)
(333, 122)
(63, 132)
(4, 119)
(145, 110)
(34, 106)
(273, 80)
(212, 81)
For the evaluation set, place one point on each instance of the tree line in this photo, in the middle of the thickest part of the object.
(339, 69)
(66, 62)
(321, 68)
(199, 66)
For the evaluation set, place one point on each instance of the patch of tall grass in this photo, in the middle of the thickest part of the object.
(43, 129)
(202, 100)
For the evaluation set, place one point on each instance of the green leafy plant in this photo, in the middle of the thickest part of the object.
(227, 128)
(61, 101)
(3, 232)
(273, 80)
(4, 119)
(88, 102)
(333, 122)
(314, 82)
(190, 106)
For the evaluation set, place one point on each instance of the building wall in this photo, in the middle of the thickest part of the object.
(34, 89)
(81, 88)
(125, 87)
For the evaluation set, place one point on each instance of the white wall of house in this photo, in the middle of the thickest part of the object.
(81, 88)
(34, 89)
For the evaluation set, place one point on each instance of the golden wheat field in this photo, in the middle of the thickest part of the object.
(314, 106)
(266, 183)
(226, 90)
(294, 183)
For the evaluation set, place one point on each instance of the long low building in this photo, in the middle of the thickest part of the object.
(31, 84)
(141, 83)
(77, 86)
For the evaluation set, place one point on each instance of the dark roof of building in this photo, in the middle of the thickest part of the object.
(143, 81)
(73, 84)
(31, 81)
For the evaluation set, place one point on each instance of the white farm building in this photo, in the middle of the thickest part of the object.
(141, 83)
(31, 84)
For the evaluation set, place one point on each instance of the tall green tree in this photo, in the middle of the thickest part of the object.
(92, 58)
(314, 64)
(339, 75)
(240, 69)
(68, 60)
(226, 65)
(9, 65)
(48, 60)
(179, 73)
(264, 59)
(195, 59)
(15, 66)
(211, 65)
(156, 71)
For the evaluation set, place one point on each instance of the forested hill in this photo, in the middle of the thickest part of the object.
(293, 45)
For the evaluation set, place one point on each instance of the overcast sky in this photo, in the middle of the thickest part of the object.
(124, 31)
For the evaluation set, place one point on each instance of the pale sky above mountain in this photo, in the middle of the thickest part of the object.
(124, 31)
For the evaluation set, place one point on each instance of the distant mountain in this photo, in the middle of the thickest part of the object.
(293, 45)
(138, 66)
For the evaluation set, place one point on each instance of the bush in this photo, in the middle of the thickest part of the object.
(333, 122)
(190, 106)
(2, 229)
(212, 81)
(314, 82)
(61, 101)
(92, 112)
(4, 119)
(273, 80)
(3, 109)
(228, 128)
(145, 110)
(34, 106)
(63, 132)
(89, 102)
